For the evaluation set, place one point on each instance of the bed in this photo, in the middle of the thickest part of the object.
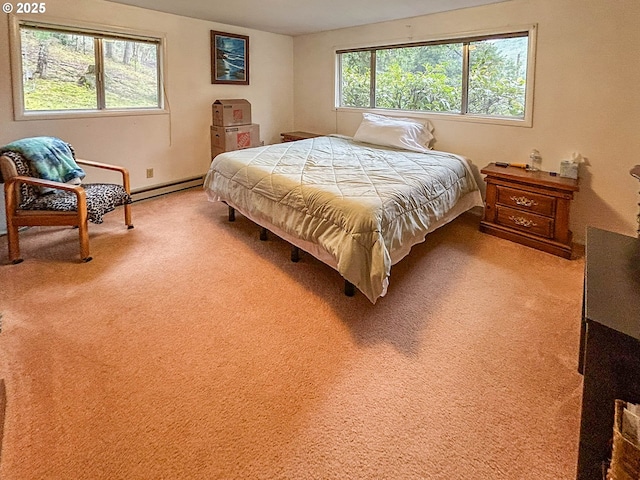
(356, 206)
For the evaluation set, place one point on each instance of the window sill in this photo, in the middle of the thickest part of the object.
(55, 115)
(526, 122)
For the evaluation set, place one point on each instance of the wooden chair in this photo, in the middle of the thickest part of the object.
(69, 204)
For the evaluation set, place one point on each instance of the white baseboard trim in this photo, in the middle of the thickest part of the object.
(162, 189)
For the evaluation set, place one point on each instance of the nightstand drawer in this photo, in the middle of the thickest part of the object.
(525, 221)
(534, 202)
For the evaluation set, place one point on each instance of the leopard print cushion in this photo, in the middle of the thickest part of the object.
(101, 197)
(28, 193)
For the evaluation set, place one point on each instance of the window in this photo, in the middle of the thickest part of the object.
(64, 69)
(485, 76)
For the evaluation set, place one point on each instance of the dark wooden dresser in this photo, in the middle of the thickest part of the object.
(609, 355)
(531, 208)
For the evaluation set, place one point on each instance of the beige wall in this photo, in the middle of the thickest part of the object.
(175, 145)
(586, 95)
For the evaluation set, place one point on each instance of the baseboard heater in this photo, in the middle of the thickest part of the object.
(164, 188)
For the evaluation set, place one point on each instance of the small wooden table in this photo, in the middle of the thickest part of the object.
(293, 136)
(531, 208)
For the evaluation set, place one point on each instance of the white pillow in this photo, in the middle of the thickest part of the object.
(394, 132)
(427, 124)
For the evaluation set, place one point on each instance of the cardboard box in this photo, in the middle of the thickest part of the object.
(235, 138)
(227, 113)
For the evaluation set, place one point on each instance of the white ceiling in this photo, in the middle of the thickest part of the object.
(297, 17)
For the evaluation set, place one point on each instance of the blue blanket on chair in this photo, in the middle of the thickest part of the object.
(50, 158)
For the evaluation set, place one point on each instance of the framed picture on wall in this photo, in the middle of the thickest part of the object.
(229, 58)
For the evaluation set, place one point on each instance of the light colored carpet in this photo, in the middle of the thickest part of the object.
(188, 349)
(3, 404)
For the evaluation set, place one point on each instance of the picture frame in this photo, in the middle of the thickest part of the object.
(229, 58)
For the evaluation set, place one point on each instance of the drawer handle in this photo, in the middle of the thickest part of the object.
(524, 201)
(523, 222)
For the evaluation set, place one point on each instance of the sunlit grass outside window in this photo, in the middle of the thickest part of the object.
(60, 72)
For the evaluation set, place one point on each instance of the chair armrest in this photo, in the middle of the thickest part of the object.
(11, 188)
(12, 185)
(40, 182)
(107, 166)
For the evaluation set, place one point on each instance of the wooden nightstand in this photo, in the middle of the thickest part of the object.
(293, 136)
(531, 208)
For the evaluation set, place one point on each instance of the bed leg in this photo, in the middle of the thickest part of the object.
(232, 214)
(349, 289)
(295, 254)
(263, 234)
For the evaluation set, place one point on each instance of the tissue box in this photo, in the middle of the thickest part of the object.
(568, 169)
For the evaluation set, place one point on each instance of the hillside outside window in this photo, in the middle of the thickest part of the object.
(76, 71)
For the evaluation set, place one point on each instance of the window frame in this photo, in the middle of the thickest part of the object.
(93, 30)
(526, 121)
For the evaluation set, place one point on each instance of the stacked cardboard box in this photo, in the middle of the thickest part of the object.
(232, 128)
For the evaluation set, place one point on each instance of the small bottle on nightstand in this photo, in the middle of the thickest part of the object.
(535, 161)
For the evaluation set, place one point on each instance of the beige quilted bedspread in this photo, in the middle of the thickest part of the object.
(358, 202)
